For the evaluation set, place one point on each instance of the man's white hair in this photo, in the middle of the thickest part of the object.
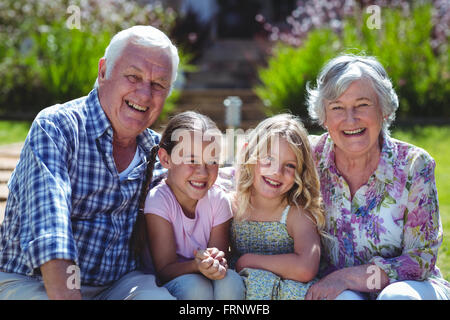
(146, 36)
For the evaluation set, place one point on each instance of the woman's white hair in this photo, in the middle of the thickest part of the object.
(146, 36)
(339, 73)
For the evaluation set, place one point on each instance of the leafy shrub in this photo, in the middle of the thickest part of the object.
(420, 73)
(43, 61)
(409, 44)
(290, 69)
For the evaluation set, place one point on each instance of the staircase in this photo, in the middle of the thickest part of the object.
(229, 63)
(210, 103)
(9, 156)
(227, 68)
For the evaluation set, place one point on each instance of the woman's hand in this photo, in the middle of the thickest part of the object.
(328, 288)
(356, 278)
(211, 263)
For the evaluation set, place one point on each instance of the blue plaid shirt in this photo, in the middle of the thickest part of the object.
(65, 197)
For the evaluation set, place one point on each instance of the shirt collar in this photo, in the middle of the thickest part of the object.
(146, 140)
(97, 120)
(99, 123)
(326, 161)
(385, 169)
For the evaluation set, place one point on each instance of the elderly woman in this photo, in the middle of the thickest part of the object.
(379, 193)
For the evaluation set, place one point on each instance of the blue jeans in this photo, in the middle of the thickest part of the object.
(197, 287)
(132, 286)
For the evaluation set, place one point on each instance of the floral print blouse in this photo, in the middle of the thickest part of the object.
(392, 221)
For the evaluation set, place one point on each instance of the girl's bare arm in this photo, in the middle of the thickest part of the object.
(301, 265)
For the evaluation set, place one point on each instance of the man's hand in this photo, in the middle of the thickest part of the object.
(211, 263)
(54, 274)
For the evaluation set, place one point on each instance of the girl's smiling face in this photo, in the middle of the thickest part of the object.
(190, 178)
(275, 173)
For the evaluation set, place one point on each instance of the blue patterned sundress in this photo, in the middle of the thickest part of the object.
(268, 238)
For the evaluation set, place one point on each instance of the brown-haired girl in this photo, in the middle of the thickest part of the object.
(187, 216)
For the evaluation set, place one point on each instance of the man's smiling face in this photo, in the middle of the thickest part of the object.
(134, 92)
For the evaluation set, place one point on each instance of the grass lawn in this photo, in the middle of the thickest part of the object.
(13, 131)
(436, 140)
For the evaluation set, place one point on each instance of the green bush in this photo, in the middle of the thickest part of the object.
(43, 61)
(420, 73)
(403, 45)
(290, 69)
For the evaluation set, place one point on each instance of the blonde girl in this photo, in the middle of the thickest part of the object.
(187, 216)
(278, 218)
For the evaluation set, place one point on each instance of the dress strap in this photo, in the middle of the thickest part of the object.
(284, 214)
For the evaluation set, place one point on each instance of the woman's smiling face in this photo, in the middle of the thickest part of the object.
(354, 120)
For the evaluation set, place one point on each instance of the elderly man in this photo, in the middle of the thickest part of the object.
(73, 196)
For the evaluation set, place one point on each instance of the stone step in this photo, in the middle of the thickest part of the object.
(11, 150)
(217, 111)
(9, 156)
(3, 192)
(8, 163)
(224, 75)
(247, 95)
(219, 79)
(2, 210)
(245, 123)
(229, 63)
(236, 50)
(216, 97)
(4, 176)
(210, 103)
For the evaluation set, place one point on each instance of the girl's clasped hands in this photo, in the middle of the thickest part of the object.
(211, 263)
